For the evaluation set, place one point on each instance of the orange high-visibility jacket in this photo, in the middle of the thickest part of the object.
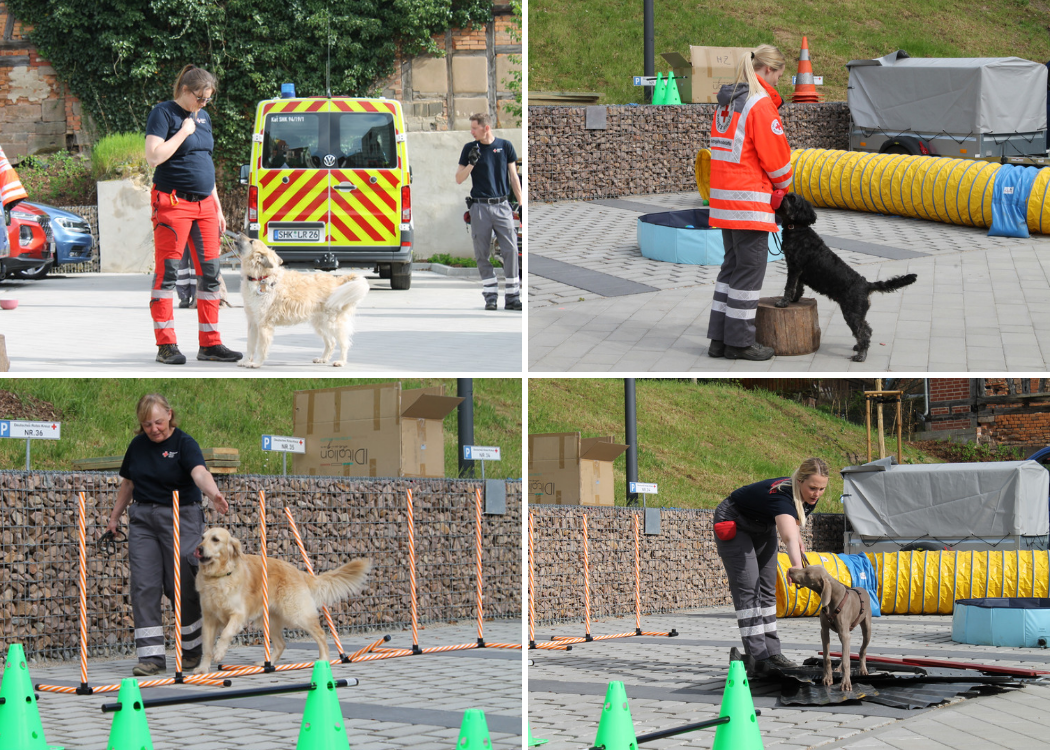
(11, 189)
(750, 158)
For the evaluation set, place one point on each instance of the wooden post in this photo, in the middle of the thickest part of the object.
(867, 423)
(5, 363)
(791, 330)
(900, 449)
(882, 427)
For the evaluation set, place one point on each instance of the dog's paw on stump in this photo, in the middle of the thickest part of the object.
(791, 330)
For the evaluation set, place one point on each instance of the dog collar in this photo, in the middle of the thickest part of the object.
(261, 278)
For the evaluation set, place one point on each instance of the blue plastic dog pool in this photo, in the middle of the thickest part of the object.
(685, 237)
(1007, 621)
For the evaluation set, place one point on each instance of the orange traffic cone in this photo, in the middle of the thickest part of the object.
(805, 90)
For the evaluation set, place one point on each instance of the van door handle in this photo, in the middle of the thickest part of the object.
(346, 186)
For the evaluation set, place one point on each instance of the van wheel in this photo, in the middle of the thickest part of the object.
(401, 276)
(385, 270)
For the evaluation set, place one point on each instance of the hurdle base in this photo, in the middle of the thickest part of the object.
(588, 638)
(481, 643)
(85, 689)
(416, 650)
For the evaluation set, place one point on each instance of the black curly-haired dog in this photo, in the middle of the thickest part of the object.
(810, 263)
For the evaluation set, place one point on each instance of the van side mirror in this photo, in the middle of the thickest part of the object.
(245, 171)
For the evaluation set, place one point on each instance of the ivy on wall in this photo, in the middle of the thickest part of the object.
(121, 57)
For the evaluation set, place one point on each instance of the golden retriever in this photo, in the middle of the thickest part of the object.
(231, 590)
(275, 296)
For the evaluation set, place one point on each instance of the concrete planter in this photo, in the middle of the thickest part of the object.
(125, 232)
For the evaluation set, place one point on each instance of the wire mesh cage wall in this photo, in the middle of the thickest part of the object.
(338, 519)
(678, 568)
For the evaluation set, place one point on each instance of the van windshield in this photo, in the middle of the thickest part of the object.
(352, 140)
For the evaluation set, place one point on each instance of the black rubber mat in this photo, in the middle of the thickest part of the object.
(870, 248)
(584, 278)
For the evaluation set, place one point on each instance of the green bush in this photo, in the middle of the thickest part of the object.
(447, 260)
(61, 179)
(119, 156)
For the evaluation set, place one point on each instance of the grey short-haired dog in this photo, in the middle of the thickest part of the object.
(841, 610)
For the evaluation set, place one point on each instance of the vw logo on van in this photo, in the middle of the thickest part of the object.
(329, 160)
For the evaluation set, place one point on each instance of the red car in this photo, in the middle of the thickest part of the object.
(32, 244)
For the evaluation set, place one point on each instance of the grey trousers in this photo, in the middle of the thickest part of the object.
(485, 219)
(750, 560)
(151, 555)
(738, 287)
(186, 285)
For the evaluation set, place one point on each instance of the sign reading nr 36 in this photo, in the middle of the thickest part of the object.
(283, 444)
(480, 453)
(10, 428)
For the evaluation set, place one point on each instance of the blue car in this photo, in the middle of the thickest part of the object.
(72, 236)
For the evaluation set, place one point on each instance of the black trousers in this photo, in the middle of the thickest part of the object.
(738, 287)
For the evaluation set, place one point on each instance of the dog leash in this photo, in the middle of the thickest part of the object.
(107, 543)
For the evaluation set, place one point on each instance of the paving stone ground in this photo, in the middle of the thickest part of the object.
(675, 681)
(408, 702)
(980, 302)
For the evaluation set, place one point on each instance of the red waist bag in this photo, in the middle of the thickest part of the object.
(725, 530)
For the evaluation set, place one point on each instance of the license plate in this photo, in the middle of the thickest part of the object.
(297, 235)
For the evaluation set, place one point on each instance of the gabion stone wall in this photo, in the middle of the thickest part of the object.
(338, 518)
(644, 149)
(679, 568)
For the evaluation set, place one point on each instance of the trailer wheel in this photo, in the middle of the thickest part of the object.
(905, 144)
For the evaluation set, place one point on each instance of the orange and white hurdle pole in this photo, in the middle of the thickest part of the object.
(477, 546)
(637, 581)
(586, 582)
(82, 536)
(532, 588)
(177, 604)
(267, 666)
(306, 559)
(412, 575)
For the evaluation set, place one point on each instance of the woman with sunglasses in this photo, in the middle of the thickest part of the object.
(186, 210)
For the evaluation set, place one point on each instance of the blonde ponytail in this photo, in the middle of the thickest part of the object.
(763, 55)
(805, 470)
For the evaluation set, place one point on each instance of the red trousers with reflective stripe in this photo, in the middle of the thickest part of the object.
(177, 222)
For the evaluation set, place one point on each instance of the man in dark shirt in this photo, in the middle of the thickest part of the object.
(490, 162)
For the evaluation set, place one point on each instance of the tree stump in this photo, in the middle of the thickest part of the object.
(791, 330)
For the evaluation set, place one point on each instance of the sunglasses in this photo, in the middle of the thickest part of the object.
(203, 100)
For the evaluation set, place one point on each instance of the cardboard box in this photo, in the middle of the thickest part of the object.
(567, 470)
(705, 71)
(372, 431)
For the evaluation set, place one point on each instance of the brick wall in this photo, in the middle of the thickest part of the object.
(37, 112)
(645, 149)
(951, 404)
(679, 568)
(1023, 420)
(440, 92)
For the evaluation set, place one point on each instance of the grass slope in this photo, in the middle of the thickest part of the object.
(700, 442)
(98, 417)
(597, 45)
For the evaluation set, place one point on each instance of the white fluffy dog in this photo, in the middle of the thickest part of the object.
(275, 296)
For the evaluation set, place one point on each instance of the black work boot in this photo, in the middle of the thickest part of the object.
(490, 304)
(782, 662)
(218, 353)
(169, 354)
(717, 349)
(756, 352)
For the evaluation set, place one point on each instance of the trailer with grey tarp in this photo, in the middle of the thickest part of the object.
(962, 108)
(998, 505)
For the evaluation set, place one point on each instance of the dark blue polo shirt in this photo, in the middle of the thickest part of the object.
(489, 175)
(157, 469)
(190, 168)
(768, 499)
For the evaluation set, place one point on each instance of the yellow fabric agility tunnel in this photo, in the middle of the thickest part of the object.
(928, 583)
(952, 191)
(793, 601)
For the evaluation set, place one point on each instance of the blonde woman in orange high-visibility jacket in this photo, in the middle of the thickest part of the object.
(750, 163)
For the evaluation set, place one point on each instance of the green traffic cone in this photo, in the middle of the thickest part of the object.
(130, 730)
(323, 727)
(615, 728)
(474, 731)
(672, 97)
(20, 725)
(661, 89)
(533, 741)
(741, 733)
